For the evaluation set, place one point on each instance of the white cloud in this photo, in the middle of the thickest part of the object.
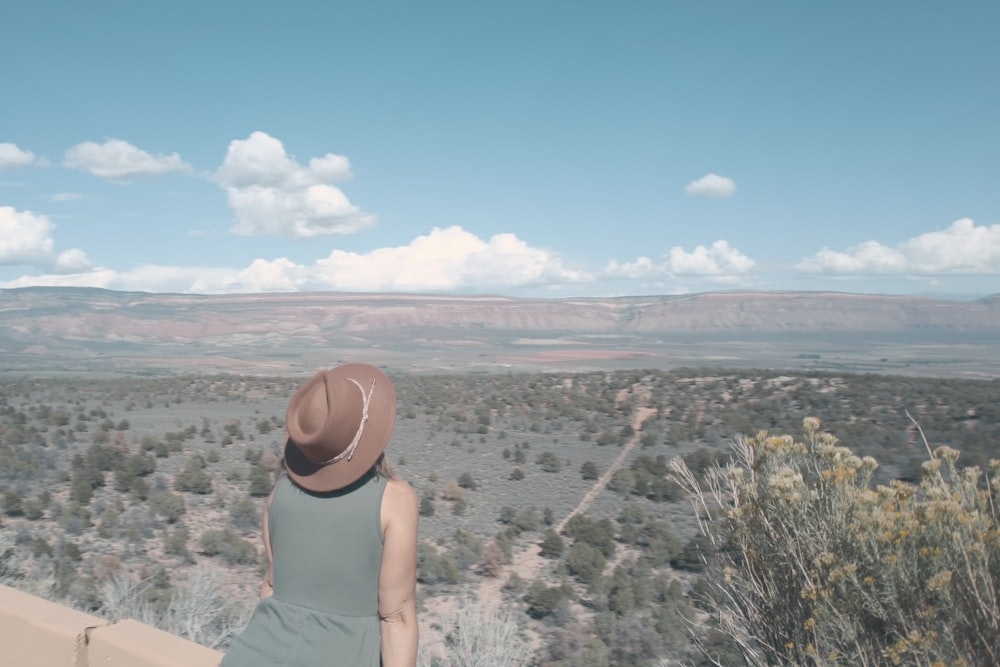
(443, 260)
(719, 262)
(26, 238)
(119, 160)
(273, 195)
(643, 267)
(719, 259)
(72, 261)
(961, 248)
(65, 196)
(711, 185)
(12, 156)
(279, 275)
(148, 278)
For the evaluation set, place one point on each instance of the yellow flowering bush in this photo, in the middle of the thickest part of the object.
(818, 565)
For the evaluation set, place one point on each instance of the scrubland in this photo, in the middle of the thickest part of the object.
(737, 516)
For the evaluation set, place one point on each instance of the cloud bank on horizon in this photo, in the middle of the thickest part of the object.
(271, 194)
(641, 148)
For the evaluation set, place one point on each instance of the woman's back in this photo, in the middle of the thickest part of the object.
(326, 554)
(327, 547)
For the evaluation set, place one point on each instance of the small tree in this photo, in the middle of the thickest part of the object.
(466, 481)
(552, 545)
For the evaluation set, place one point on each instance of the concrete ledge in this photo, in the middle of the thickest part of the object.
(37, 633)
(130, 643)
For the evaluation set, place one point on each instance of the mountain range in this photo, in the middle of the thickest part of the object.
(62, 329)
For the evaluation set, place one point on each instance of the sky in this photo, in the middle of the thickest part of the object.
(532, 149)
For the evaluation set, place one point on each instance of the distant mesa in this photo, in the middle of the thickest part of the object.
(95, 330)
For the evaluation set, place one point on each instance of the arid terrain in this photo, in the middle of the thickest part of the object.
(139, 434)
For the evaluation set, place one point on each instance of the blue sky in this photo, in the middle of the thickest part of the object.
(542, 149)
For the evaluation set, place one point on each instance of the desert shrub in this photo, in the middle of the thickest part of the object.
(13, 504)
(175, 542)
(492, 558)
(229, 546)
(597, 533)
(549, 462)
(194, 478)
(467, 481)
(243, 516)
(543, 600)
(33, 510)
(552, 545)
(170, 506)
(622, 481)
(816, 565)
(204, 611)
(584, 562)
(527, 519)
(479, 634)
(589, 470)
(427, 503)
(435, 568)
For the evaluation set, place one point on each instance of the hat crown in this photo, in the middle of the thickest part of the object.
(325, 415)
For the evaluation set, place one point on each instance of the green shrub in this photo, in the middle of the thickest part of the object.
(584, 562)
(816, 565)
(552, 545)
(543, 600)
(231, 547)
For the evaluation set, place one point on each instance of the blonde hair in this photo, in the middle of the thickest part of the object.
(383, 468)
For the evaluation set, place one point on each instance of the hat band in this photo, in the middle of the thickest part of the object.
(349, 452)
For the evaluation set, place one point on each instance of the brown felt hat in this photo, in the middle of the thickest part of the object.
(337, 424)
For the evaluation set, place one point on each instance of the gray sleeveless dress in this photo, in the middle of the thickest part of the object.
(327, 549)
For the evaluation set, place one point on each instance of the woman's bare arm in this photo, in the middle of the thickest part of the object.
(267, 587)
(397, 585)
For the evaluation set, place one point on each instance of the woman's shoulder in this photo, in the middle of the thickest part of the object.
(399, 490)
(399, 506)
(399, 498)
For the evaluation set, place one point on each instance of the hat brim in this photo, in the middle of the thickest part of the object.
(374, 438)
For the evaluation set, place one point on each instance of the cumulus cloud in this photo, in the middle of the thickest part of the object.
(445, 259)
(26, 238)
(274, 195)
(71, 261)
(12, 156)
(719, 259)
(449, 259)
(711, 185)
(961, 248)
(719, 262)
(119, 160)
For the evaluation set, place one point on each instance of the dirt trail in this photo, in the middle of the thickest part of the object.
(528, 561)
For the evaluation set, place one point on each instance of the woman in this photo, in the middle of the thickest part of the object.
(340, 536)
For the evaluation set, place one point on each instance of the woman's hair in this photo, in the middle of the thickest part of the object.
(383, 468)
